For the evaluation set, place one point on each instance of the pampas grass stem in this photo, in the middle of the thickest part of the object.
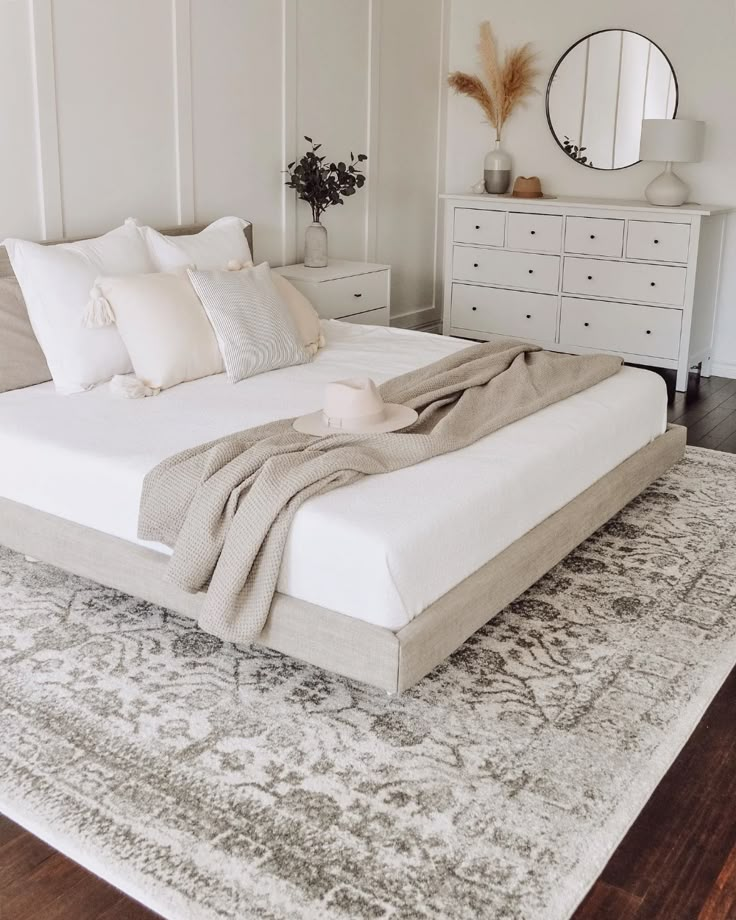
(504, 85)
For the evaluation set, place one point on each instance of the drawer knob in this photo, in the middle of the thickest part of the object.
(590, 277)
(474, 309)
(649, 331)
(592, 236)
(475, 264)
(477, 226)
(534, 232)
(652, 284)
(531, 271)
(357, 295)
(656, 242)
(586, 324)
(528, 316)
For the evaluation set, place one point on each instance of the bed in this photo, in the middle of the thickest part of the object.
(381, 580)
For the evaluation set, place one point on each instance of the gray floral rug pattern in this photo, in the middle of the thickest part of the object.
(216, 782)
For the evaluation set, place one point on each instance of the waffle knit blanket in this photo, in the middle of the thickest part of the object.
(225, 507)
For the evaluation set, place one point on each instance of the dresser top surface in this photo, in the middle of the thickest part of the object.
(336, 268)
(611, 204)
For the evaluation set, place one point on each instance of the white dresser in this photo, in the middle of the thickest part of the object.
(586, 275)
(355, 292)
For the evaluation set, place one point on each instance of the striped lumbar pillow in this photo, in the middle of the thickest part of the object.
(252, 323)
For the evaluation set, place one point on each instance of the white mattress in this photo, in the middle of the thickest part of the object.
(382, 549)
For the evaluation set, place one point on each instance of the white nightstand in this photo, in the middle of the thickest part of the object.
(355, 292)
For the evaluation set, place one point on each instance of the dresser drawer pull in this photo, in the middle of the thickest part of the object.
(592, 236)
(652, 284)
(475, 264)
(528, 316)
(586, 324)
(474, 309)
(477, 226)
(590, 277)
(649, 331)
(531, 271)
(533, 232)
(357, 295)
(656, 242)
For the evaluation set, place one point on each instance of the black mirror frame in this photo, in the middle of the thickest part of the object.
(557, 67)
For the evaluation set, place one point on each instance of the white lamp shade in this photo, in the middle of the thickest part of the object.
(675, 140)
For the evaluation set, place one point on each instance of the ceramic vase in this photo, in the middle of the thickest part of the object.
(315, 246)
(497, 171)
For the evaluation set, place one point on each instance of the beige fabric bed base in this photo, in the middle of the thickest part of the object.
(371, 654)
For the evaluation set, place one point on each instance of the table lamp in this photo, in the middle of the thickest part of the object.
(670, 140)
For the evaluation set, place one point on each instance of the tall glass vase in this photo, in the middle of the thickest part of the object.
(315, 245)
(497, 171)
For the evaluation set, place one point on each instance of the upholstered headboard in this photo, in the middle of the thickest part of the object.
(6, 270)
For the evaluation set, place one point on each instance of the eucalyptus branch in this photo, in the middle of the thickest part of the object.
(323, 184)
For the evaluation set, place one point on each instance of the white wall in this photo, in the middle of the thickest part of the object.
(699, 40)
(180, 111)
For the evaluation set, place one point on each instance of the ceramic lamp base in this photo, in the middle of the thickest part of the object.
(667, 190)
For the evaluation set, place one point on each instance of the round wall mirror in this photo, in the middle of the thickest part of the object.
(601, 90)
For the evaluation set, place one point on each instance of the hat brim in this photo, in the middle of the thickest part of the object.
(395, 417)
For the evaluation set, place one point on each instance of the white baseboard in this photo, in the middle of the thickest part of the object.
(723, 369)
(416, 318)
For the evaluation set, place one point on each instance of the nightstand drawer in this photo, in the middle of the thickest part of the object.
(659, 242)
(628, 328)
(595, 236)
(348, 296)
(540, 232)
(506, 269)
(519, 313)
(661, 284)
(369, 318)
(485, 228)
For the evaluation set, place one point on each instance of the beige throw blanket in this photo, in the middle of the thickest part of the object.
(225, 507)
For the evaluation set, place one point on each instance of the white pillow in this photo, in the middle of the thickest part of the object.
(252, 323)
(212, 248)
(164, 327)
(56, 283)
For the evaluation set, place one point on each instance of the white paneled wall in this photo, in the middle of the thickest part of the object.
(177, 111)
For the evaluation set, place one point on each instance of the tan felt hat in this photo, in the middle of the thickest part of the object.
(355, 407)
(527, 187)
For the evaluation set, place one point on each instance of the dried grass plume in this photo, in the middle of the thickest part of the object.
(504, 85)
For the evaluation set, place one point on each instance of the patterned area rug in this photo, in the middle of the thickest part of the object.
(215, 782)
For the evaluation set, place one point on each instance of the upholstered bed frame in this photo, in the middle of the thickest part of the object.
(371, 654)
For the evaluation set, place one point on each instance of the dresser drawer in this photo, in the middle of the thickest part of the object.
(519, 313)
(540, 232)
(658, 242)
(595, 236)
(662, 284)
(628, 328)
(348, 296)
(486, 228)
(506, 269)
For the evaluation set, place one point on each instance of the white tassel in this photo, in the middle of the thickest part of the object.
(321, 342)
(130, 387)
(98, 312)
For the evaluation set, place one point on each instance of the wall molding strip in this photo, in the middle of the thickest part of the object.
(47, 126)
(183, 120)
(289, 76)
(440, 177)
(373, 138)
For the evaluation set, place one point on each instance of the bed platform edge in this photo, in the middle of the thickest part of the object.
(393, 662)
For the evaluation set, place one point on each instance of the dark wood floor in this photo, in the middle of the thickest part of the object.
(678, 861)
